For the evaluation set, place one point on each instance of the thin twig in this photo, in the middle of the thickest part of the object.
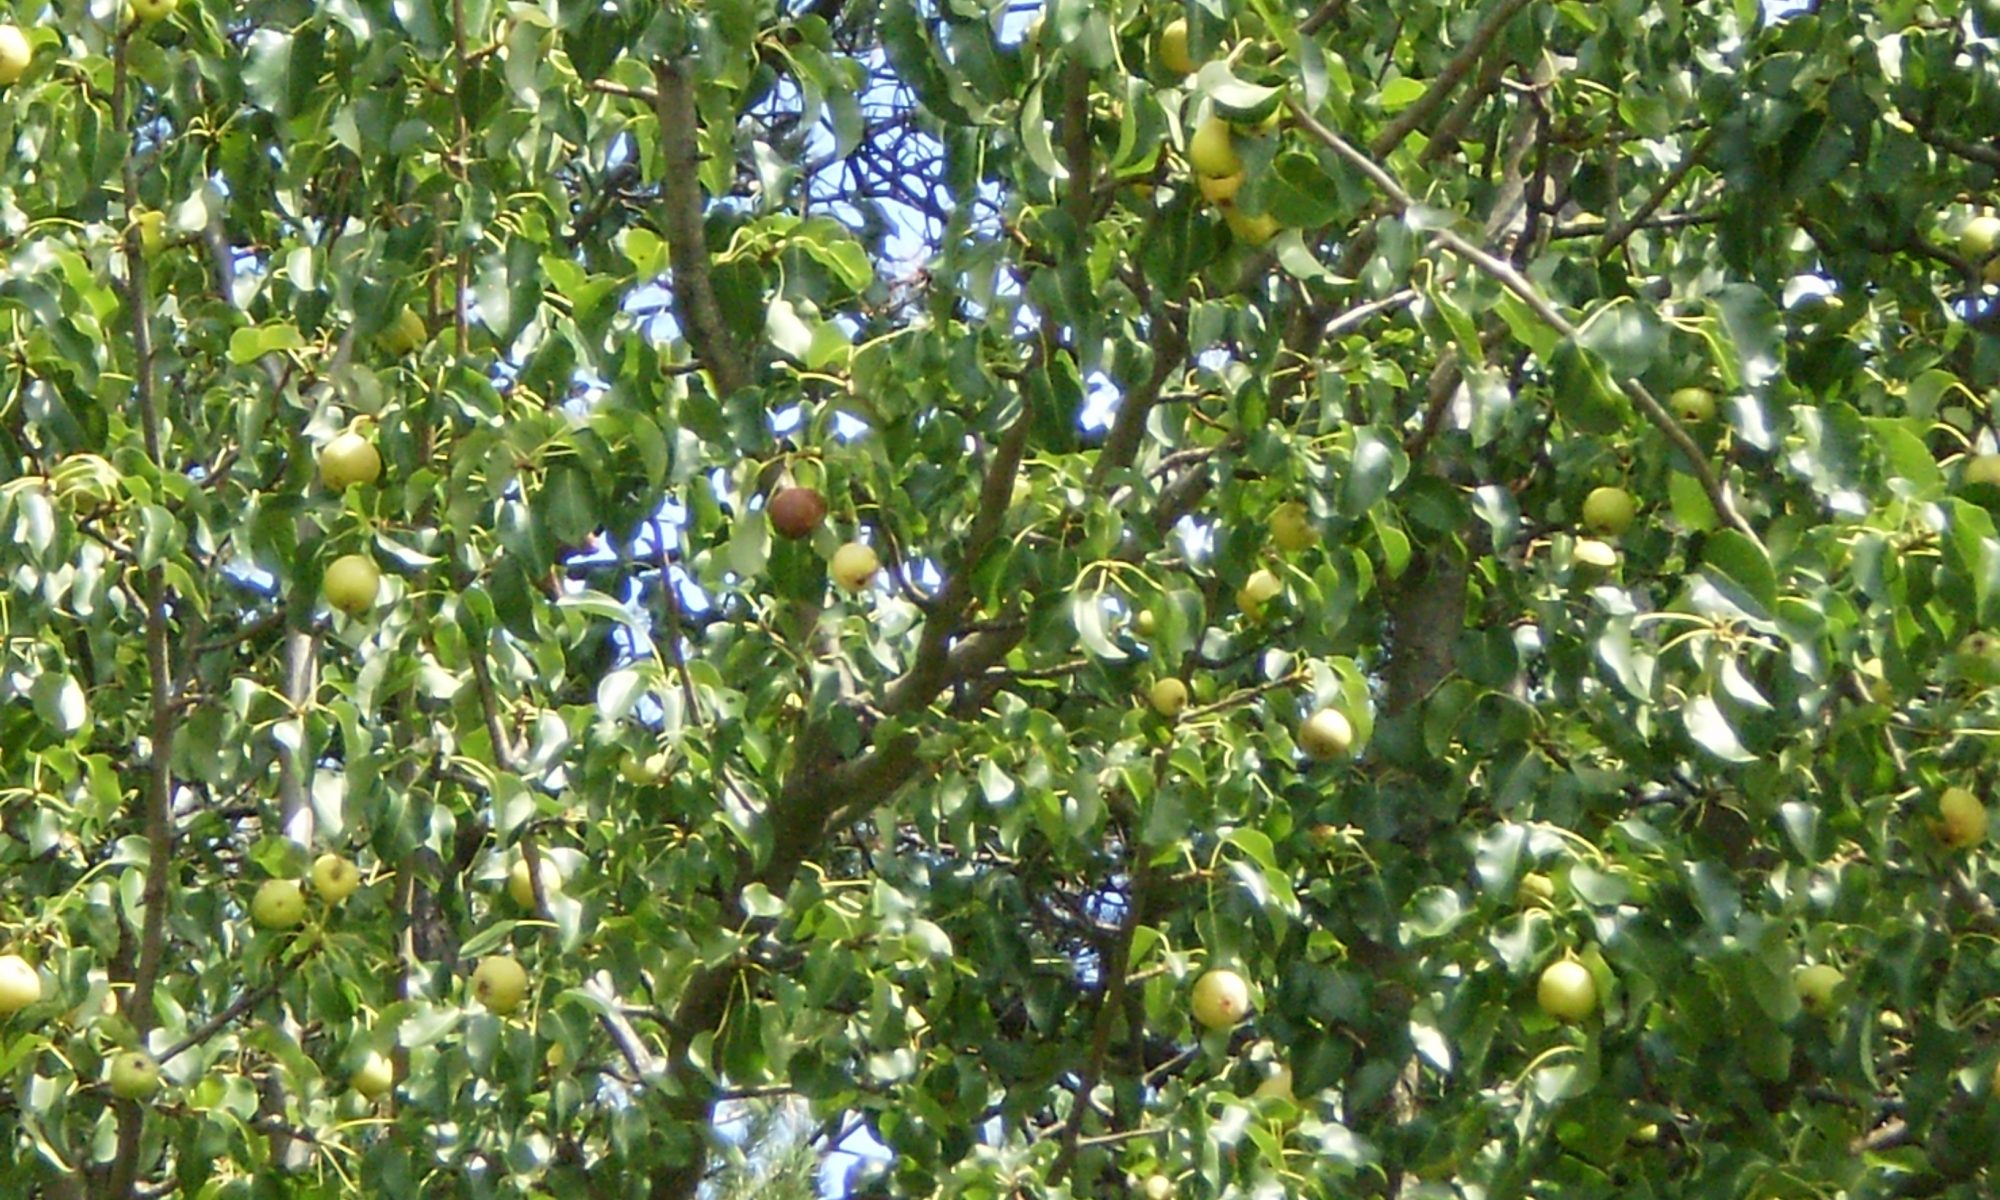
(1455, 71)
(1616, 235)
(1361, 314)
(243, 1003)
(1971, 151)
(1504, 273)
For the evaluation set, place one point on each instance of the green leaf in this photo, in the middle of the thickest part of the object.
(1378, 464)
(250, 344)
(1584, 394)
(1236, 99)
(1690, 503)
(1086, 610)
(1401, 92)
(1035, 137)
(1711, 730)
(1254, 843)
(1627, 337)
(1742, 571)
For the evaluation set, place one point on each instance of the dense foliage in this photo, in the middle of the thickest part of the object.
(1546, 442)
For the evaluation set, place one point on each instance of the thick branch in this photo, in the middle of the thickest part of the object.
(1128, 428)
(155, 799)
(694, 295)
(820, 788)
(1076, 145)
(932, 671)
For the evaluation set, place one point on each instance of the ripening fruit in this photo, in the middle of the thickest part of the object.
(853, 566)
(1292, 528)
(1221, 999)
(522, 889)
(15, 53)
(499, 983)
(1608, 511)
(1979, 238)
(1962, 819)
(152, 225)
(334, 877)
(278, 904)
(153, 10)
(1277, 1085)
(643, 771)
(1262, 586)
(1169, 696)
(1174, 48)
(405, 333)
(1566, 991)
(1212, 149)
(1159, 1187)
(1591, 562)
(1219, 189)
(1693, 405)
(1983, 468)
(374, 1077)
(1251, 231)
(134, 1075)
(1145, 622)
(347, 460)
(1326, 734)
(20, 985)
(1817, 984)
(351, 584)
(796, 511)
(1535, 888)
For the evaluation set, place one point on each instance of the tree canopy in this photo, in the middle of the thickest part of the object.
(1212, 599)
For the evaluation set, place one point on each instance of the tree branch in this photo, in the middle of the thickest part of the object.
(932, 670)
(1110, 1002)
(694, 294)
(155, 800)
(1455, 71)
(1076, 145)
(1504, 273)
(1128, 427)
(1616, 235)
(1970, 151)
(243, 1003)
(820, 787)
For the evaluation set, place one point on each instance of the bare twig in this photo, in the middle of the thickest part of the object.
(1318, 18)
(1588, 229)
(504, 753)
